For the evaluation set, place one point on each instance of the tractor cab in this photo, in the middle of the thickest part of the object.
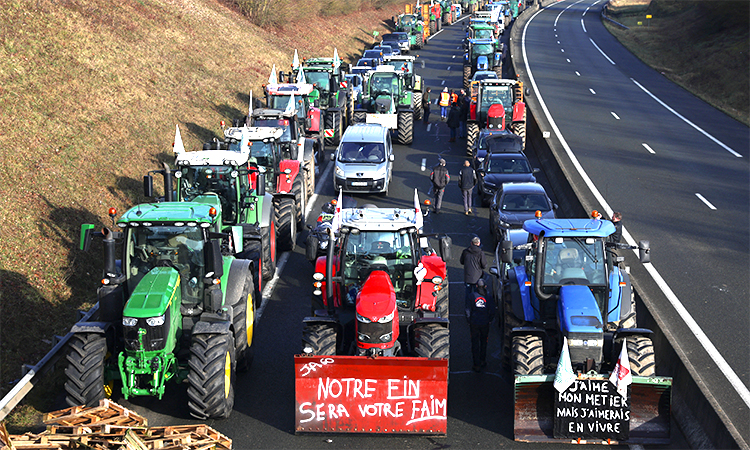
(278, 97)
(493, 92)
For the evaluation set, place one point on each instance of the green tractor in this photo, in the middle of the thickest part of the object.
(389, 102)
(482, 54)
(411, 25)
(405, 65)
(232, 170)
(177, 306)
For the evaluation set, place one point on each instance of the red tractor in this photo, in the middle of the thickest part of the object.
(496, 105)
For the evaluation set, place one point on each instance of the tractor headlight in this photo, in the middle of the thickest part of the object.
(437, 280)
(363, 319)
(387, 337)
(129, 321)
(386, 319)
(156, 321)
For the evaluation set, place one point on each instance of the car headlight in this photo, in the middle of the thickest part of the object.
(340, 172)
(129, 321)
(156, 321)
(586, 342)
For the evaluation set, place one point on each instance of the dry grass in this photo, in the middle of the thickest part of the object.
(703, 46)
(90, 92)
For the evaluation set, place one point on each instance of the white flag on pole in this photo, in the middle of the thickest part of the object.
(250, 109)
(178, 147)
(564, 375)
(295, 60)
(621, 376)
(336, 60)
(272, 78)
(301, 77)
(291, 107)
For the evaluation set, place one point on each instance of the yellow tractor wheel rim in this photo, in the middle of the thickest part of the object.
(227, 375)
(249, 319)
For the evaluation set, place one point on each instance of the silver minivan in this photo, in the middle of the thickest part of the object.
(363, 161)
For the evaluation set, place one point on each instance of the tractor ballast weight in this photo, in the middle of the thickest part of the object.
(390, 102)
(380, 320)
(176, 307)
(485, 94)
(570, 286)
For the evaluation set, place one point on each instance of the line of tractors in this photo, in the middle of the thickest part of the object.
(183, 275)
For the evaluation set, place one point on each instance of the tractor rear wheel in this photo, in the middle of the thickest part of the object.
(507, 322)
(333, 122)
(84, 384)
(519, 128)
(432, 341)
(472, 132)
(467, 77)
(211, 378)
(499, 70)
(528, 355)
(433, 28)
(310, 177)
(442, 301)
(300, 197)
(268, 250)
(641, 356)
(418, 112)
(319, 339)
(405, 129)
(420, 41)
(359, 117)
(243, 321)
(286, 225)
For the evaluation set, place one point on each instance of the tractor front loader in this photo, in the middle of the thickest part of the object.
(375, 351)
(176, 306)
(566, 292)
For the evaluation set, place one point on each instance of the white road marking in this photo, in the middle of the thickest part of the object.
(562, 50)
(561, 12)
(583, 25)
(453, 57)
(602, 52)
(424, 160)
(699, 334)
(449, 68)
(724, 146)
(614, 115)
(567, 59)
(703, 199)
(592, 91)
(650, 150)
(443, 83)
(429, 125)
(578, 74)
(558, 42)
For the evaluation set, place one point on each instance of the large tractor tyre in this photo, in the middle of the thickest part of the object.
(84, 374)
(310, 177)
(405, 129)
(641, 356)
(498, 70)
(433, 28)
(467, 76)
(300, 199)
(319, 340)
(311, 247)
(420, 41)
(528, 355)
(438, 25)
(432, 341)
(418, 111)
(519, 128)
(211, 376)
(268, 250)
(359, 117)
(333, 122)
(472, 132)
(286, 225)
(629, 321)
(442, 300)
(507, 322)
(243, 323)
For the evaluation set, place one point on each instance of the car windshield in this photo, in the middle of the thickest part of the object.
(508, 165)
(372, 54)
(520, 202)
(386, 49)
(496, 94)
(180, 247)
(390, 37)
(276, 123)
(362, 152)
(320, 78)
(574, 261)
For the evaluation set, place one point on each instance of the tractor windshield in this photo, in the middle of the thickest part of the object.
(384, 84)
(280, 102)
(482, 49)
(483, 34)
(320, 78)
(199, 180)
(362, 152)
(277, 123)
(262, 152)
(496, 94)
(407, 21)
(390, 251)
(180, 247)
(574, 261)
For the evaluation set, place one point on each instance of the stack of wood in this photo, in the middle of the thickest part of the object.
(111, 426)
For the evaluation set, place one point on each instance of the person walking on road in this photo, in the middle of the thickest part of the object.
(454, 120)
(440, 179)
(467, 179)
(426, 106)
(480, 310)
(617, 235)
(445, 102)
(464, 102)
(472, 258)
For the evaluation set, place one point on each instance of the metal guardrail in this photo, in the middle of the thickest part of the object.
(29, 380)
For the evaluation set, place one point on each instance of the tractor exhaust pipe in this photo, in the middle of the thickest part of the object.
(110, 267)
(168, 194)
(329, 273)
(539, 270)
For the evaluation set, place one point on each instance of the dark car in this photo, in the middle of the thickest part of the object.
(515, 203)
(499, 168)
(387, 50)
(497, 141)
(398, 39)
(374, 54)
(367, 62)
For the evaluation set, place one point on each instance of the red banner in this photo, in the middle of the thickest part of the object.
(356, 394)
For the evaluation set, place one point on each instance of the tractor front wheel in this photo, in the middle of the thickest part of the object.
(418, 112)
(300, 197)
(641, 356)
(519, 128)
(333, 122)
(268, 250)
(432, 341)
(405, 126)
(498, 70)
(286, 230)
(467, 77)
(359, 117)
(311, 247)
(84, 384)
(318, 340)
(211, 377)
(472, 132)
(442, 305)
(528, 355)
(243, 321)
(420, 41)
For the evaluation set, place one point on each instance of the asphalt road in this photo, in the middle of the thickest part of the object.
(480, 406)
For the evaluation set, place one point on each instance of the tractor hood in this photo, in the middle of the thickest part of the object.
(383, 104)
(154, 293)
(377, 299)
(578, 311)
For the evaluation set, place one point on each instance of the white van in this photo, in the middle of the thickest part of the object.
(364, 159)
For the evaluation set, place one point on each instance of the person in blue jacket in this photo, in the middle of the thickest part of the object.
(480, 311)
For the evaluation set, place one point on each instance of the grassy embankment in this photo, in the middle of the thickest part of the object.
(704, 46)
(90, 92)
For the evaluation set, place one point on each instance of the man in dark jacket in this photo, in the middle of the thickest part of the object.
(426, 102)
(454, 120)
(440, 179)
(472, 259)
(617, 235)
(464, 102)
(480, 310)
(467, 179)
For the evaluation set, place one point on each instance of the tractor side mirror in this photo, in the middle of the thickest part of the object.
(445, 247)
(333, 156)
(644, 251)
(87, 231)
(214, 262)
(316, 103)
(527, 91)
(148, 186)
(260, 184)
(281, 76)
(506, 252)
(391, 158)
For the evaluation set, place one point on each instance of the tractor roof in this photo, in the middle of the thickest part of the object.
(318, 63)
(380, 219)
(570, 227)
(261, 113)
(171, 213)
(482, 41)
(289, 88)
(253, 133)
(488, 82)
(385, 68)
(213, 158)
(400, 58)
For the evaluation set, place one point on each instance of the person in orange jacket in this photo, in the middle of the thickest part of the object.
(445, 102)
